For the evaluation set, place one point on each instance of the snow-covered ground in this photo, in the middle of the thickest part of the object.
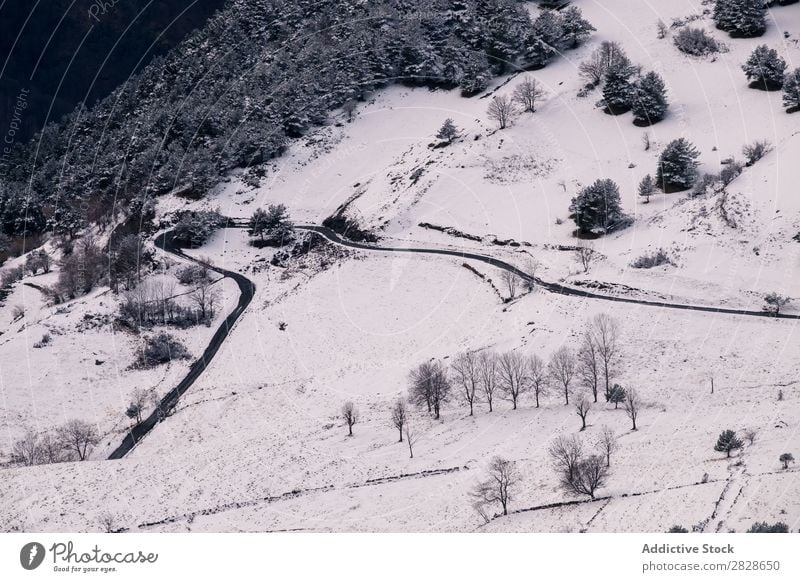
(259, 436)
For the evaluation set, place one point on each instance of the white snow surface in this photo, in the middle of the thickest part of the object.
(258, 444)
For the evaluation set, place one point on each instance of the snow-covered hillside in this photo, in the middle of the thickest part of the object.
(258, 444)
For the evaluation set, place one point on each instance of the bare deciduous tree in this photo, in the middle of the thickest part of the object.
(78, 437)
(531, 267)
(750, 435)
(632, 405)
(582, 408)
(607, 56)
(27, 450)
(205, 297)
(488, 373)
(50, 449)
(108, 521)
(562, 369)
(350, 415)
(430, 386)
(501, 485)
(399, 416)
(607, 443)
(565, 453)
(605, 332)
(411, 438)
(501, 110)
(139, 400)
(588, 476)
(466, 371)
(537, 377)
(512, 369)
(527, 94)
(588, 362)
(585, 255)
(511, 281)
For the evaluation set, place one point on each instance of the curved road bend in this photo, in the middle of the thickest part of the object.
(247, 289)
(552, 287)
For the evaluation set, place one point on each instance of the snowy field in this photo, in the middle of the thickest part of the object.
(258, 444)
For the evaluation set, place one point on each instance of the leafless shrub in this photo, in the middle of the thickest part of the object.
(755, 151)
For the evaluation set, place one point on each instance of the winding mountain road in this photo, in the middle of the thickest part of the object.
(247, 288)
(551, 287)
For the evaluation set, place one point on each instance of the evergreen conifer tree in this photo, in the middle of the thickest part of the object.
(649, 100)
(677, 166)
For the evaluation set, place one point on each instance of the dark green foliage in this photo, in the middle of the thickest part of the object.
(764, 527)
(647, 187)
(553, 32)
(728, 442)
(596, 209)
(741, 18)
(617, 395)
(193, 228)
(696, 42)
(765, 69)
(791, 91)
(618, 89)
(161, 348)
(677, 166)
(127, 256)
(448, 131)
(272, 226)
(649, 102)
(233, 93)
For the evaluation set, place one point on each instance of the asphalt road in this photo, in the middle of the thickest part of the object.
(246, 291)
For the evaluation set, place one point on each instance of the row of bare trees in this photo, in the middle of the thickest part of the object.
(72, 441)
(153, 302)
(485, 376)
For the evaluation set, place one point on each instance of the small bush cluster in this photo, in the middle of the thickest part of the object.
(764, 527)
(650, 260)
(46, 339)
(161, 348)
(755, 151)
(697, 42)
